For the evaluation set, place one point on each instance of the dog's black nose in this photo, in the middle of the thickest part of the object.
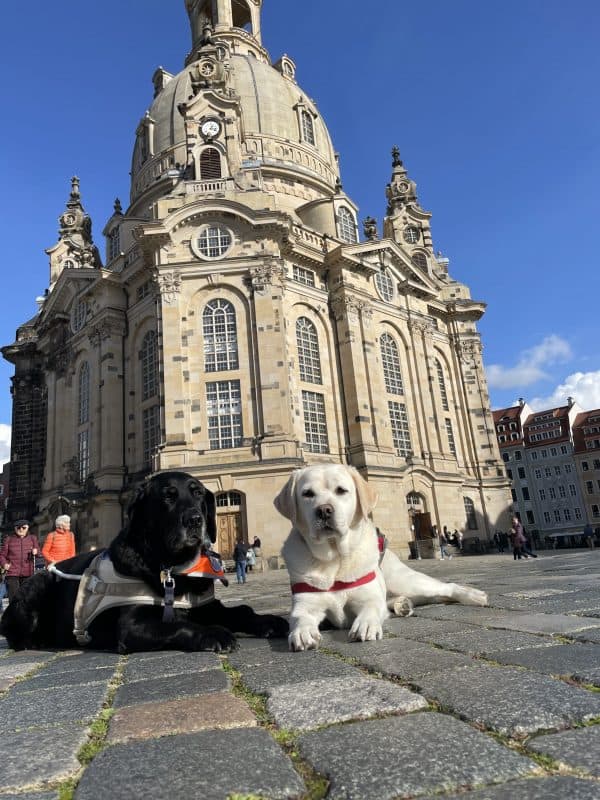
(324, 512)
(192, 520)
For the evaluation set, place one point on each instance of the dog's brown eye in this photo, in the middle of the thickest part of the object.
(171, 493)
(308, 493)
(341, 490)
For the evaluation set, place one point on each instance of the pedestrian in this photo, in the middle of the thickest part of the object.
(256, 545)
(60, 544)
(526, 548)
(588, 533)
(517, 539)
(498, 542)
(444, 546)
(17, 556)
(458, 538)
(250, 558)
(240, 557)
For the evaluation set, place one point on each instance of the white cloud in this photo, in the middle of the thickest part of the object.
(531, 365)
(4, 443)
(583, 387)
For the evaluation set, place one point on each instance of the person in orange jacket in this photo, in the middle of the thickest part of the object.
(60, 544)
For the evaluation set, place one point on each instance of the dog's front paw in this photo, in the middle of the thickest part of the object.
(270, 626)
(401, 606)
(304, 637)
(216, 639)
(366, 629)
(474, 597)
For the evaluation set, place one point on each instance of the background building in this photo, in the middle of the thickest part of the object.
(237, 328)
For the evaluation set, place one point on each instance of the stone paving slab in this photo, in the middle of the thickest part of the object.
(401, 658)
(484, 642)
(421, 628)
(169, 664)
(407, 756)
(322, 702)
(82, 659)
(32, 796)
(211, 765)
(42, 709)
(292, 670)
(11, 671)
(171, 687)
(579, 661)
(579, 748)
(496, 618)
(510, 701)
(218, 710)
(44, 680)
(554, 788)
(33, 757)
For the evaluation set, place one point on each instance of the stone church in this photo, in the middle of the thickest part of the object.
(244, 322)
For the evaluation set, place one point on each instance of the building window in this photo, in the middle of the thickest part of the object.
(538, 474)
(150, 432)
(114, 244)
(562, 491)
(315, 422)
(411, 234)
(210, 164)
(420, 261)
(509, 474)
(400, 429)
(450, 434)
(552, 493)
(521, 472)
(534, 456)
(564, 449)
(385, 285)
(572, 490)
(595, 511)
(470, 514)
(308, 128)
(567, 513)
(149, 359)
(228, 499)
(585, 466)
(547, 517)
(84, 393)
(224, 414)
(547, 472)
(525, 492)
(219, 330)
(542, 494)
(346, 225)
(553, 451)
(83, 454)
(309, 360)
(557, 514)
(568, 468)
(513, 494)
(301, 275)
(214, 241)
(557, 470)
(505, 457)
(544, 453)
(518, 455)
(390, 360)
(530, 518)
(442, 384)
(577, 513)
(79, 315)
(589, 487)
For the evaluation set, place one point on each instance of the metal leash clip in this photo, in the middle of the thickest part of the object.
(168, 583)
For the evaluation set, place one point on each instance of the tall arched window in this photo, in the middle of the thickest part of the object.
(308, 128)
(470, 514)
(346, 226)
(309, 361)
(149, 359)
(220, 336)
(442, 384)
(83, 419)
(210, 164)
(240, 14)
(391, 365)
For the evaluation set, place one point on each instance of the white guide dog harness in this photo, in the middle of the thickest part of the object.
(101, 587)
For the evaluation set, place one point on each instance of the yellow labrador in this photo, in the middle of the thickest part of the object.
(336, 569)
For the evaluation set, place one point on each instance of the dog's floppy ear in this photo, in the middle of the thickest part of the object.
(211, 515)
(285, 502)
(140, 493)
(366, 496)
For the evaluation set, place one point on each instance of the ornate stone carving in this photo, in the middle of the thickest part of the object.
(370, 228)
(343, 307)
(71, 470)
(169, 285)
(262, 277)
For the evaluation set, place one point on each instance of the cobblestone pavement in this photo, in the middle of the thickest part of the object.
(498, 703)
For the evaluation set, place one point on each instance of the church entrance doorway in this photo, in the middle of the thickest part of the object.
(230, 522)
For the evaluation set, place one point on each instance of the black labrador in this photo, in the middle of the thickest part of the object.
(171, 520)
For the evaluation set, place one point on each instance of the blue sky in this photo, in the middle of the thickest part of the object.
(494, 107)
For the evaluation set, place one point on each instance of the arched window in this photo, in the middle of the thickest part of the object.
(84, 393)
(210, 164)
(228, 499)
(385, 285)
(220, 336)
(309, 361)
(470, 514)
(149, 359)
(346, 226)
(241, 15)
(315, 422)
(442, 384)
(420, 261)
(308, 128)
(391, 365)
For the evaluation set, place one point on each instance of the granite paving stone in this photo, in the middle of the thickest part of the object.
(579, 661)
(405, 756)
(421, 628)
(41, 709)
(11, 671)
(484, 642)
(212, 765)
(553, 788)
(402, 658)
(171, 687)
(80, 659)
(32, 796)
(293, 670)
(169, 664)
(217, 710)
(579, 748)
(44, 680)
(556, 624)
(338, 699)
(510, 701)
(588, 635)
(34, 757)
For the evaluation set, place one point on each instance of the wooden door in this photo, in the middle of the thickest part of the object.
(229, 530)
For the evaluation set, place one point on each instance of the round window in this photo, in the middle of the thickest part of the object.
(411, 234)
(213, 241)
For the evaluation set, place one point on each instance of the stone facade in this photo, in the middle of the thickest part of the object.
(239, 329)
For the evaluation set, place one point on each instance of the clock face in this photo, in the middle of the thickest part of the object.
(210, 128)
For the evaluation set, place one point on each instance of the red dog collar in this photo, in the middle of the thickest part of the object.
(338, 586)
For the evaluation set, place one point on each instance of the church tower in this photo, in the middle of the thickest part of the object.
(239, 328)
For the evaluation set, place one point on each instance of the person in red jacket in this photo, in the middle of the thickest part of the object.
(17, 554)
(60, 544)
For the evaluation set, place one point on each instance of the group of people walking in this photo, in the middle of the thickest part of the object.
(21, 555)
(245, 557)
(445, 538)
